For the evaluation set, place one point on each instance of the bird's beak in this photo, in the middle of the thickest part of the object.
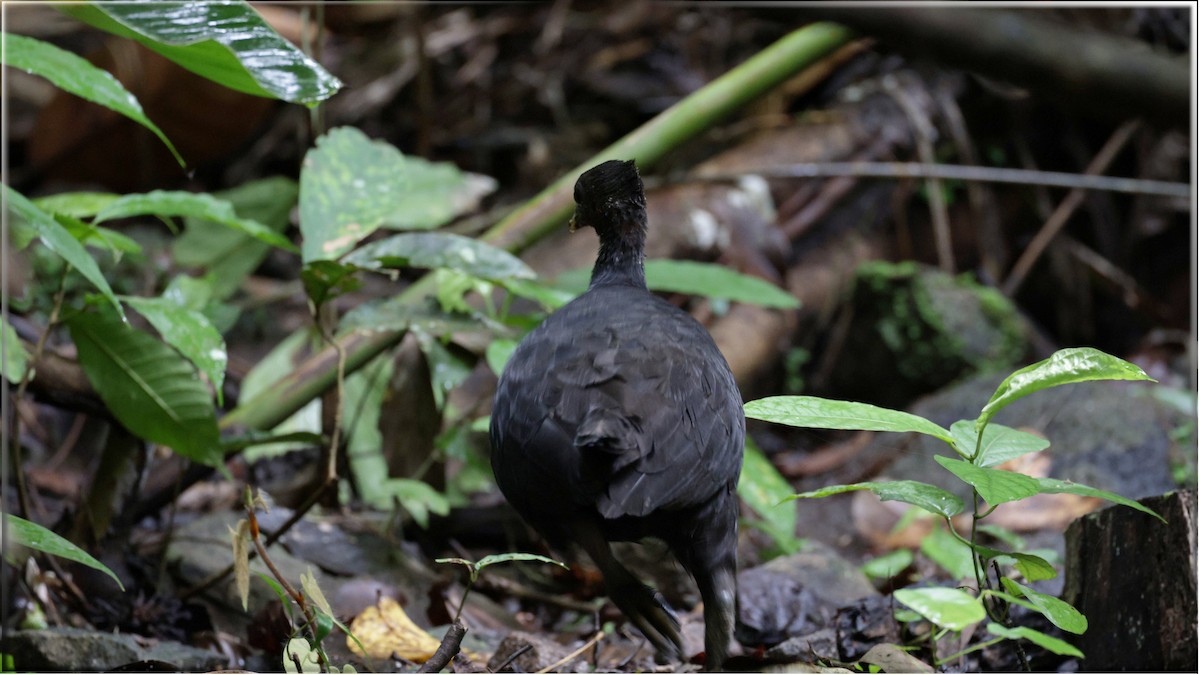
(572, 225)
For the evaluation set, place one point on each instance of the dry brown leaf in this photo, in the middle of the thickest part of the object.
(384, 629)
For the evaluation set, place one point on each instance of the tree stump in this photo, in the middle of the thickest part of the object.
(1134, 578)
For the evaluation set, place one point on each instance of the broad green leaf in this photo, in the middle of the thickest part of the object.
(38, 538)
(888, 565)
(1032, 567)
(823, 413)
(996, 486)
(946, 607)
(148, 386)
(58, 239)
(949, 553)
(441, 249)
(393, 314)
(227, 254)
(549, 297)
(1000, 443)
(1066, 366)
(715, 281)
(269, 370)
(1040, 639)
(499, 351)
(15, 359)
(1060, 613)
(768, 493)
(447, 370)
(928, 497)
(188, 331)
(1055, 486)
(76, 204)
(351, 185)
(227, 42)
(75, 75)
(363, 397)
(166, 203)
(95, 235)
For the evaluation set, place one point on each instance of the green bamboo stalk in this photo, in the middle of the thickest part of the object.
(552, 207)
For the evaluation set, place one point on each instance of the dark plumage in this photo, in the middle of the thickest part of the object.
(619, 419)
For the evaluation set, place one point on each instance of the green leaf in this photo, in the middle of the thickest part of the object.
(499, 351)
(549, 297)
(441, 250)
(949, 553)
(1040, 639)
(166, 203)
(1060, 613)
(447, 370)
(1055, 486)
(1066, 366)
(764, 490)
(928, 497)
(351, 185)
(1032, 567)
(58, 239)
(148, 386)
(394, 314)
(1000, 443)
(946, 607)
(95, 235)
(38, 538)
(76, 204)
(228, 254)
(15, 359)
(188, 331)
(517, 557)
(73, 74)
(227, 42)
(996, 486)
(823, 413)
(715, 281)
(325, 280)
(364, 395)
(418, 498)
(888, 565)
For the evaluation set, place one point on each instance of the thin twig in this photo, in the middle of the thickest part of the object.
(296, 596)
(961, 172)
(567, 659)
(513, 657)
(1066, 208)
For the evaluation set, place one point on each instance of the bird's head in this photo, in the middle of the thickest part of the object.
(609, 197)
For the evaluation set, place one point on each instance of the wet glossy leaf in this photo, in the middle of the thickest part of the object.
(34, 536)
(1055, 486)
(1066, 366)
(75, 75)
(58, 239)
(440, 249)
(823, 413)
(1032, 567)
(227, 42)
(167, 203)
(15, 360)
(351, 186)
(715, 281)
(996, 486)
(768, 494)
(1000, 443)
(148, 386)
(946, 607)
(928, 497)
(1060, 613)
(1040, 639)
(188, 331)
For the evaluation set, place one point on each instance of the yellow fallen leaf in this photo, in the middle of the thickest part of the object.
(384, 629)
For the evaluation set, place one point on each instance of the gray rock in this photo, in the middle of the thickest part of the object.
(74, 649)
(821, 644)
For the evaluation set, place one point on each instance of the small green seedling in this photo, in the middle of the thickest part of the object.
(474, 568)
(979, 446)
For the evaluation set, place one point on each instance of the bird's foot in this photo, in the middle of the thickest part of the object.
(647, 610)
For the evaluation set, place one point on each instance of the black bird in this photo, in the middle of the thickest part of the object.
(618, 418)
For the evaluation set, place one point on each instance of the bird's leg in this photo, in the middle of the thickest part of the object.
(708, 550)
(643, 605)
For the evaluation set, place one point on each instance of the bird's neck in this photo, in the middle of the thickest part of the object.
(622, 256)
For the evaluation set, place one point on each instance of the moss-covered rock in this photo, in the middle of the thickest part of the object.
(914, 329)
